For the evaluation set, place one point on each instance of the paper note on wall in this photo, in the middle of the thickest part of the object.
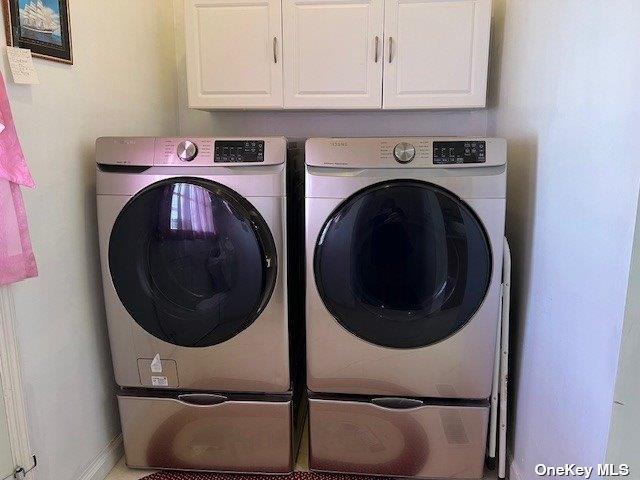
(22, 67)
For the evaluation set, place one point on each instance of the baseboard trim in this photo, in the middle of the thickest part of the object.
(104, 462)
(512, 467)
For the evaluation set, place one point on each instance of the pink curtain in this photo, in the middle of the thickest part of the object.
(17, 261)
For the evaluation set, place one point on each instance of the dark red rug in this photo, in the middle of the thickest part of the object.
(168, 475)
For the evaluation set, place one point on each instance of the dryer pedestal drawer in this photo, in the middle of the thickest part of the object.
(207, 432)
(397, 437)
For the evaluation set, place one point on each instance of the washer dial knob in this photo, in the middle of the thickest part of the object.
(404, 152)
(187, 151)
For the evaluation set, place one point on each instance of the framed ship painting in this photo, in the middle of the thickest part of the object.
(41, 26)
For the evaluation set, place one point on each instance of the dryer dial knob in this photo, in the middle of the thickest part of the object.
(404, 152)
(187, 151)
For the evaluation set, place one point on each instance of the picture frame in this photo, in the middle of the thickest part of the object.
(40, 25)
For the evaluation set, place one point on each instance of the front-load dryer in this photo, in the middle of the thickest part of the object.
(404, 241)
(192, 244)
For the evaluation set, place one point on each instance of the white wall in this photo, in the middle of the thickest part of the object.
(315, 124)
(624, 436)
(569, 104)
(122, 83)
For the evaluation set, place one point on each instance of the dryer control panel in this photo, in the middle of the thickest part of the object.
(406, 152)
(468, 151)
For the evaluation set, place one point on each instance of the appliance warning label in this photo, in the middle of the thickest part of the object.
(157, 381)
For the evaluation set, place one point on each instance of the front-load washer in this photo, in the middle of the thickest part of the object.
(192, 244)
(404, 241)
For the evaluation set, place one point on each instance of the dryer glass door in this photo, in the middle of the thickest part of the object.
(403, 264)
(192, 261)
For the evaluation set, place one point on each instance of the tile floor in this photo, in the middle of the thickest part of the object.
(121, 472)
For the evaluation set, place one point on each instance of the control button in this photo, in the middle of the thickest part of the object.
(404, 152)
(187, 151)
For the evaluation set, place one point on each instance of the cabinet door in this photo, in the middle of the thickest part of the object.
(333, 53)
(233, 53)
(437, 53)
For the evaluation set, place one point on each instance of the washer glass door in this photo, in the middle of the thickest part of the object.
(403, 264)
(192, 261)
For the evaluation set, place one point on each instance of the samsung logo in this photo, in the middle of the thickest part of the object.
(336, 143)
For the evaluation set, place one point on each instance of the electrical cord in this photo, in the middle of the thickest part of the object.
(20, 473)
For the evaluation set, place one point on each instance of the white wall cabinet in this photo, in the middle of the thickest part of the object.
(234, 53)
(332, 53)
(438, 53)
(337, 54)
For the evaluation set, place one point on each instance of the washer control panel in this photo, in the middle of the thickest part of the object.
(404, 152)
(187, 150)
(192, 151)
(462, 151)
(235, 151)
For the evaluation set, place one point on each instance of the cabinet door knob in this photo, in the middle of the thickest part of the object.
(275, 49)
(376, 49)
(390, 49)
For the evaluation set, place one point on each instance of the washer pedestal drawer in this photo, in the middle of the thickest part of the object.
(397, 437)
(207, 432)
